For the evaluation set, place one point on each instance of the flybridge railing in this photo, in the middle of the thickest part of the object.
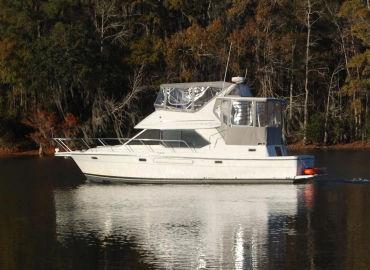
(84, 144)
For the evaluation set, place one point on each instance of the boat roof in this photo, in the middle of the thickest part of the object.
(164, 119)
(252, 98)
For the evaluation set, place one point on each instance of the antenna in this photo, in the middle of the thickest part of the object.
(227, 65)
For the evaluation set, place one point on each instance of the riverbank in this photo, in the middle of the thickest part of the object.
(358, 145)
(13, 152)
(8, 152)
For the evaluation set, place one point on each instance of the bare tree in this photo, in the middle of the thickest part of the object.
(291, 71)
(125, 112)
(310, 21)
(329, 97)
(110, 22)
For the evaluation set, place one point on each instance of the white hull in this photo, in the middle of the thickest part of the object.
(187, 169)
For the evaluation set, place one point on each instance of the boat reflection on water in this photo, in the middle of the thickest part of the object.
(178, 226)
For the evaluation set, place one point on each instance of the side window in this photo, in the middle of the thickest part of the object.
(274, 114)
(225, 111)
(261, 114)
(160, 100)
(202, 95)
(278, 113)
(241, 113)
(179, 98)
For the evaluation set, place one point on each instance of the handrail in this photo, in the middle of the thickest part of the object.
(219, 132)
(103, 142)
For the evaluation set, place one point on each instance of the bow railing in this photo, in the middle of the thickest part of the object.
(119, 144)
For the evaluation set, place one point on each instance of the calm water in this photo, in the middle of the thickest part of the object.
(50, 219)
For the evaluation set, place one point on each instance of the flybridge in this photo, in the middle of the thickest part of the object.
(211, 104)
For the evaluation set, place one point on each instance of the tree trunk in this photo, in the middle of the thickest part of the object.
(307, 70)
(367, 115)
(291, 84)
(41, 150)
(327, 109)
(340, 113)
(291, 99)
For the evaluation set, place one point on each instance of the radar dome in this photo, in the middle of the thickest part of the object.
(238, 80)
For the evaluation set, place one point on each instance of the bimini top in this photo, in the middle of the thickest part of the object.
(188, 97)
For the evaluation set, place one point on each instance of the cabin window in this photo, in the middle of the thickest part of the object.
(274, 113)
(179, 98)
(225, 111)
(203, 95)
(193, 138)
(182, 139)
(241, 113)
(268, 114)
(261, 114)
(160, 100)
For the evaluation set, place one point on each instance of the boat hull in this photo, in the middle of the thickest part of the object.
(125, 180)
(191, 170)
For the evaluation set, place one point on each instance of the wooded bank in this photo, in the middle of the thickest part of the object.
(91, 67)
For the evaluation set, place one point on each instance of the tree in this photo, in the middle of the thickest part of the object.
(45, 125)
(357, 84)
(310, 21)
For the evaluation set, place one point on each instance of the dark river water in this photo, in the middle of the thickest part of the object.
(51, 219)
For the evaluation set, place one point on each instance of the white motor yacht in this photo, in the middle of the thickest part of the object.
(200, 132)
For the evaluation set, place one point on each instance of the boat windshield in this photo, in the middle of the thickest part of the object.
(188, 96)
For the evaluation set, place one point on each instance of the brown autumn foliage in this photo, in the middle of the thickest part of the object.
(46, 125)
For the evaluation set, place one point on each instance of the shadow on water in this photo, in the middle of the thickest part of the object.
(28, 221)
(51, 219)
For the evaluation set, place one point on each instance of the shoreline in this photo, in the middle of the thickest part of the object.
(4, 152)
(357, 145)
(299, 146)
(15, 152)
